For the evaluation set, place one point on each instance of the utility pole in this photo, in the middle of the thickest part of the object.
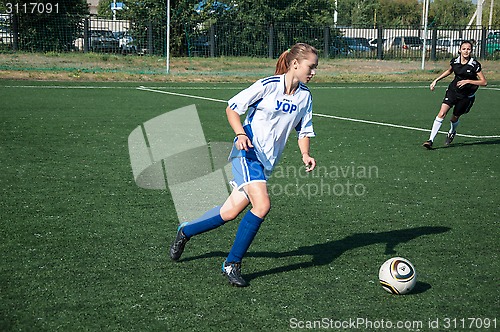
(490, 20)
(476, 14)
(335, 15)
(424, 23)
(479, 16)
(168, 37)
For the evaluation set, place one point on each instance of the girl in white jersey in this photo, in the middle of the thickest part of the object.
(275, 106)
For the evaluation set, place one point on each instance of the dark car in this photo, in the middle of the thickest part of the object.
(358, 44)
(126, 43)
(200, 46)
(339, 47)
(374, 42)
(103, 41)
(405, 43)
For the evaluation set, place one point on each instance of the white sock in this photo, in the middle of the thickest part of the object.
(453, 128)
(435, 128)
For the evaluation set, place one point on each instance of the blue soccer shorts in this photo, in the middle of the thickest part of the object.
(246, 171)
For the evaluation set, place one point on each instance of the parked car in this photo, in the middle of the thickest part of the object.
(200, 46)
(448, 45)
(358, 44)
(78, 44)
(373, 42)
(493, 44)
(339, 47)
(428, 44)
(99, 41)
(404, 43)
(103, 41)
(492, 34)
(125, 42)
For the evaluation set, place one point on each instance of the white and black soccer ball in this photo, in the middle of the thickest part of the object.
(397, 275)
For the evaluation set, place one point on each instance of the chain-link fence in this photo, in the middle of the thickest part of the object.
(350, 42)
(93, 34)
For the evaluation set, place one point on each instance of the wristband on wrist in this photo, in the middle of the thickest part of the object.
(241, 134)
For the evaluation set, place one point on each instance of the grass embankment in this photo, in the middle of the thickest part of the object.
(108, 67)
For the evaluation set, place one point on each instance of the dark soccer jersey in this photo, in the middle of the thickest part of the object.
(465, 72)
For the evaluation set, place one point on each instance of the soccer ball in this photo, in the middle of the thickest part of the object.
(397, 275)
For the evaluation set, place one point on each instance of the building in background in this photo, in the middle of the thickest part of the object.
(93, 6)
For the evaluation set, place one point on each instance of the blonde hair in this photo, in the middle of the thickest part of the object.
(299, 51)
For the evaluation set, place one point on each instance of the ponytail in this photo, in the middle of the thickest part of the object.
(282, 64)
(298, 51)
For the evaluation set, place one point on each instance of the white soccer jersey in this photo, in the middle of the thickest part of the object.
(271, 116)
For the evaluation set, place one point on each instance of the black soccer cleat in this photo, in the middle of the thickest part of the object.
(233, 273)
(179, 243)
(427, 144)
(449, 138)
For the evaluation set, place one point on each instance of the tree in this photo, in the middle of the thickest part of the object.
(450, 13)
(55, 31)
(495, 22)
(246, 24)
(399, 13)
(357, 12)
(104, 10)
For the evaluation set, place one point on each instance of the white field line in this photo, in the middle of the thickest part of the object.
(321, 115)
(395, 125)
(181, 94)
(160, 90)
(492, 87)
(66, 87)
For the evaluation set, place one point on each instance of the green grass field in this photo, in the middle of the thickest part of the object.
(85, 249)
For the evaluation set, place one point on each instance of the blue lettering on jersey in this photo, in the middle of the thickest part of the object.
(285, 107)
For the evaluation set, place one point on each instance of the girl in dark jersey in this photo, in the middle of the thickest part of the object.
(461, 92)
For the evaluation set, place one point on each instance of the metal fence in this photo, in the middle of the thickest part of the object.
(350, 42)
(93, 34)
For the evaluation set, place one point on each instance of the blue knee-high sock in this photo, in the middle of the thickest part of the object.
(247, 230)
(210, 220)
